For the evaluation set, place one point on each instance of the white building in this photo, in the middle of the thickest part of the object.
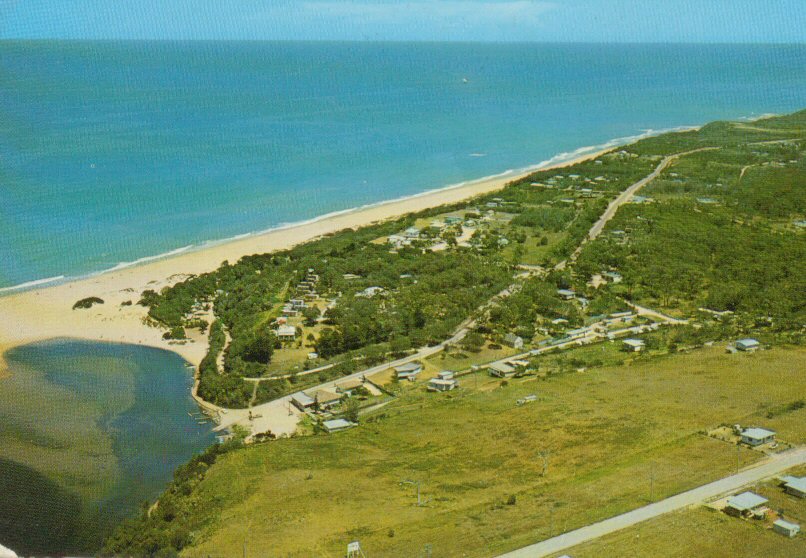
(286, 333)
(757, 436)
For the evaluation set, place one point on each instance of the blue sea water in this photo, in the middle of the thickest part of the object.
(115, 151)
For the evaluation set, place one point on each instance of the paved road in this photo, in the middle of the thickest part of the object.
(769, 468)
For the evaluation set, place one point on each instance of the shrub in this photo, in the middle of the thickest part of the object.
(87, 302)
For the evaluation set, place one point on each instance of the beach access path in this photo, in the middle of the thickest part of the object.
(770, 467)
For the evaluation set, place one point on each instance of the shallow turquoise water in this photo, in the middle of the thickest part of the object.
(100, 428)
(115, 151)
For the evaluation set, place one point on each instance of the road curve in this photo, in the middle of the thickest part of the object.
(769, 468)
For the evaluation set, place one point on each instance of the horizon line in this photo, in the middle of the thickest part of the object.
(393, 41)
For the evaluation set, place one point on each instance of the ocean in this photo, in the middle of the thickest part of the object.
(116, 152)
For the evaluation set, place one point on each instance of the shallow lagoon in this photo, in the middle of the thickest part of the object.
(88, 432)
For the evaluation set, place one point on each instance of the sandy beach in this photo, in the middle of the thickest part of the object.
(47, 312)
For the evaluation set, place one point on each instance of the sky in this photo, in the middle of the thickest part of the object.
(667, 21)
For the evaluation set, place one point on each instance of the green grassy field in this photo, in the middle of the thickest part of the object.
(707, 533)
(478, 457)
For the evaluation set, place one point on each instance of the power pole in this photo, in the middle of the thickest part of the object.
(652, 483)
(738, 457)
(551, 520)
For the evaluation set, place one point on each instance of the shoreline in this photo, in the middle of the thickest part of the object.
(556, 161)
(38, 314)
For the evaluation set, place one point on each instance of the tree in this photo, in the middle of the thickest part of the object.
(350, 409)
(260, 347)
(473, 341)
(311, 315)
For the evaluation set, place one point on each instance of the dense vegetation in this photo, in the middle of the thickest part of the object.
(161, 531)
(718, 242)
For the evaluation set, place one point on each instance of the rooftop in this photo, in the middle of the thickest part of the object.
(757, 433)
(337, 424)
(409, 367)
(786, 524)
(796, 483)
(746, 501)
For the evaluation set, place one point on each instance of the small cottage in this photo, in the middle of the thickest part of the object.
(757, 436)
(747, 504)
(514, 341)
(408, 371)
(786, 528)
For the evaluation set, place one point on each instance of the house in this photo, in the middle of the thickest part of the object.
(578, 333)
(795, 486)
(313, 356)
(369, 292)
(302, 400)
(439, 384)
(398, 240)
(566, 294)
(348, 386)
(336, 425)
(614, 276)
(326, 398)
(297, 303)
(286, 333)
(408, 371)
(528, 399)
(513, 341)
(786, 528)
(748, 345)
(289, 311)
(453, 220)
(501, 370)
(633, 345)
(746, 504)
(757, 436)
(412, 233)
(559, 321)
(445, 375)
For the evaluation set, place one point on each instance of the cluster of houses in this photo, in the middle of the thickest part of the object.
(749, 505)
(603, 328)
(306, 291)
(444, 381)
(412, 234)
(405, 238)
(323, 400)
